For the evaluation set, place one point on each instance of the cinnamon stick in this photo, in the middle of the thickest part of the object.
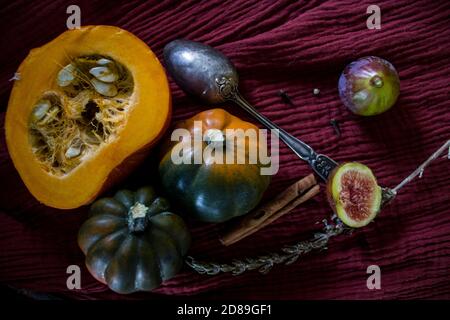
(283, 203)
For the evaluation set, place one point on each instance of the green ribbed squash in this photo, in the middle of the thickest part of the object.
(214, 192)
(131, 242)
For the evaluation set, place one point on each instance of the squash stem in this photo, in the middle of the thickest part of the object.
(137, 217)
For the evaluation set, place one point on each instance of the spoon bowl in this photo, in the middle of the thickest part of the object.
(195, 67)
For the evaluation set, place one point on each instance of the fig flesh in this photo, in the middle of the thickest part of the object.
(354, 194)
(369, 86)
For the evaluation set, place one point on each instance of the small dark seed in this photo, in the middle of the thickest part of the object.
(285, 97)
(335, 124)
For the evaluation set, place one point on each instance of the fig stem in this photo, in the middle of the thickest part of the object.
(419, 171)
(376, 81)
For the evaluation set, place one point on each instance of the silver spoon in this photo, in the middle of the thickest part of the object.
(208, 74)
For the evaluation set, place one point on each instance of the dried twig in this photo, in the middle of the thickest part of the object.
(264, 263)
(285, 97)
(420, 170)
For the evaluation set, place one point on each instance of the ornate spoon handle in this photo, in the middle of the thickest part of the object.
(320, 163)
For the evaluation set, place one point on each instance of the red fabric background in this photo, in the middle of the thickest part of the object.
(290, 45)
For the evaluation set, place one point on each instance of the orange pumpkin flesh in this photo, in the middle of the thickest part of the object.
(123, 129)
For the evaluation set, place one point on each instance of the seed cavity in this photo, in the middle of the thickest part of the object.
(68, 125)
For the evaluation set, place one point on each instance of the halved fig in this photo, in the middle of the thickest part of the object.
(354, 194)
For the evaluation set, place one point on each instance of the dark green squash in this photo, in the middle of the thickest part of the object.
(131, 242)
(213, 192)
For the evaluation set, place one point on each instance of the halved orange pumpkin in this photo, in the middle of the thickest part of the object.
(84, 112)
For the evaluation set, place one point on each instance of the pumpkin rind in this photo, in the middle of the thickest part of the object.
(130, 261)
(146, 120)
(213, 192)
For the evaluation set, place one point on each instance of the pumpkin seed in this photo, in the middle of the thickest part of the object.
(103, 62)
(106, 89)
(50, 116)
(66, 76)
(104, 74)
(40, 110)
(74, 150)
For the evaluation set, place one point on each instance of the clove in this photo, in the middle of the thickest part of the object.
(285, 97)
(335, 124)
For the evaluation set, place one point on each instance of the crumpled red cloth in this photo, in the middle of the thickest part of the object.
(295, 46)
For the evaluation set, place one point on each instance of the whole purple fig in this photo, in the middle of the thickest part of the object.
(369, 86)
